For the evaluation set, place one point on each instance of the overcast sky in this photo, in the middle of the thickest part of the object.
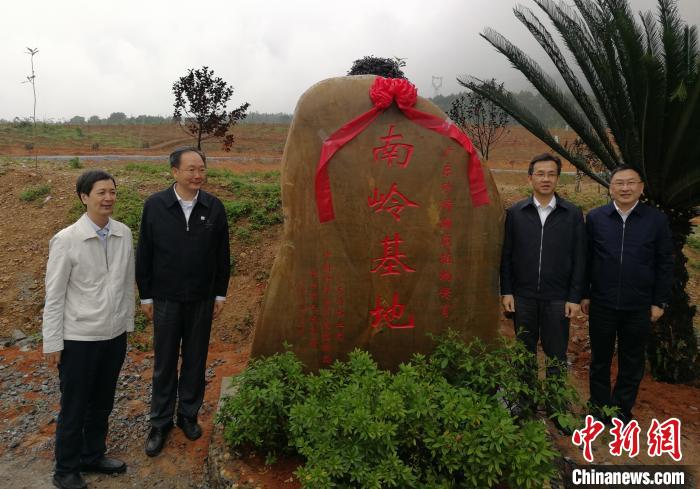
(99, 57)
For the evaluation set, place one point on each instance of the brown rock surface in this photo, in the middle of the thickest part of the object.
(407, 253)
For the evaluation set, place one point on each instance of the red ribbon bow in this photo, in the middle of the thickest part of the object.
(383, 92)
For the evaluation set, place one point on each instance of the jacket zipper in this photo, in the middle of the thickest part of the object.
(539, 265)
(105, 248)
(622, 250)
(109, 292)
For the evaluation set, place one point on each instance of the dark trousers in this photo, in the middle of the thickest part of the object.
(88, 373)
(631, 328)
(179, 327)
(542, 320)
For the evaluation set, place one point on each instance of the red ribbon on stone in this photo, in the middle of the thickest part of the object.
(383, 92)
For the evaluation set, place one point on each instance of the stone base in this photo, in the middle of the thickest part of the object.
(221, 471)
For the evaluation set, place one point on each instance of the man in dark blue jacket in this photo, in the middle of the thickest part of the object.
(182, 272)
(630, 269)
(542, 264)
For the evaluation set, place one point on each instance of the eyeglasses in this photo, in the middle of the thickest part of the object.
(193, 171)
(541, 174)
(625, 183)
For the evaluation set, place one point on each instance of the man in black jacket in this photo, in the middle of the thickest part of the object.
(182, 272)
(542, 265)
(630, 269)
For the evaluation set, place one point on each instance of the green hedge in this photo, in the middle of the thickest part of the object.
(456, 419)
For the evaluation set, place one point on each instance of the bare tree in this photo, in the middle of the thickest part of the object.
(32, 79)
(484, 122)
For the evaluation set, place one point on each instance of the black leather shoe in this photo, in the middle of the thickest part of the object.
(626, 418)
(69, 481)
(156, 440)
(105, 465)
(190, 427)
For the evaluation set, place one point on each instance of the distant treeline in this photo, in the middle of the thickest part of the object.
(122, 118)
(532, 101)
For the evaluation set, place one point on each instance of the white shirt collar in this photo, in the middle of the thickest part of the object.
(621, 212)
(182, 201)
(552, 203)
(96, 227)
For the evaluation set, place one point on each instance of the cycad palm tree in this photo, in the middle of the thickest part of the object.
(637, 102)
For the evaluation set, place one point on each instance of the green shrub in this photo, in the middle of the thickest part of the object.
(34, 192)
(450, 420)
(75, 162)
(258, 414)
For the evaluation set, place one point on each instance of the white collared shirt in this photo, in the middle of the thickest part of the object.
(624, 215)
(545, 211)
(187, 205)
(102, 233)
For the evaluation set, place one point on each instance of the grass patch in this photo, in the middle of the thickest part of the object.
(148, 168)
(258, 199)
(238, 209)
(584, 200)
(242, 233)
(694, 240)
(30, 194)
(75, 163)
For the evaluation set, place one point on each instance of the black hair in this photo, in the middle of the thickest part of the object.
(87, 180)
(176, 155)
(620, 168)
(544, 157)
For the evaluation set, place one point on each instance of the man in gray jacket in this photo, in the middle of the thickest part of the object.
(89, 308)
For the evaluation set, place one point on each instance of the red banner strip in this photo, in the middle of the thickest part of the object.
(382, 93)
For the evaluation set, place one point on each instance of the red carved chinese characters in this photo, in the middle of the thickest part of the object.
(393, 202)
(322, 309)
(446, 259)
(392, 151)
(314, 317)
(587, 435)
(665, 438)
(326, 333)
(625, 438)
(340, 313)
(390, 263)
(393, 262)
(387, 315)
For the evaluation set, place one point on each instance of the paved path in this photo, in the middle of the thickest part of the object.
(164, 157)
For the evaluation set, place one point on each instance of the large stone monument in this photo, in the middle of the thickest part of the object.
(392, 228)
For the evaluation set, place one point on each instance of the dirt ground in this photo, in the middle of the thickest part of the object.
(26, 454)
